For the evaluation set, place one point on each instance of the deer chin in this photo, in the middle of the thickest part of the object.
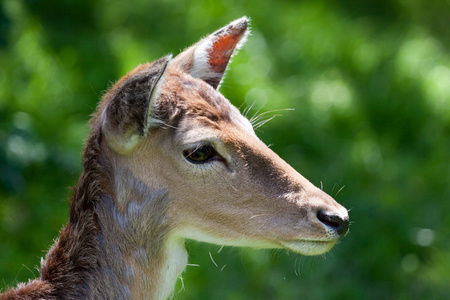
(309, 247)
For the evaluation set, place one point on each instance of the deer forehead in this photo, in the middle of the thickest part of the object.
(198, 111)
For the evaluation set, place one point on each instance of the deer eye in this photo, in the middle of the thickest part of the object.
(200, 154)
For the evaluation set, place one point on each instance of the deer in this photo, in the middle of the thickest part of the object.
(168, 159)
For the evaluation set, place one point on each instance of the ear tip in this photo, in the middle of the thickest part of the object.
(244, 19)
(241, 23)
(238, 28)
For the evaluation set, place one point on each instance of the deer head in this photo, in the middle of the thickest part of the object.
(170, 127)
(168, 159)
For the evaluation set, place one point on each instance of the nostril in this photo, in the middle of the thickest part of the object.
(334, 221)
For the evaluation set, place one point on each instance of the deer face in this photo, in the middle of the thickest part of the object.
(168, 124)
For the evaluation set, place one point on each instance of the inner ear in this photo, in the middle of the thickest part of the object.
(129, 105)
(208, 59)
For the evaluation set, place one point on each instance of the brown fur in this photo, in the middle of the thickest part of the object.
(191, 99)
(74, 262)
(139, 196)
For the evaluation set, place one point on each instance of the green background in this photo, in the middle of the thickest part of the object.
(370, 85)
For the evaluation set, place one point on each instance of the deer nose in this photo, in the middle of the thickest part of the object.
(334, 221)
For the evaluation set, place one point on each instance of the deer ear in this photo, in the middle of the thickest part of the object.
(128, 107)
(209, 58)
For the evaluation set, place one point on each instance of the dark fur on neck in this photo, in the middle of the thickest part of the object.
(71, 262)
(85, 261)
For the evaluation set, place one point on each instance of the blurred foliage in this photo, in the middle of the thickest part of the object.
(370, 84)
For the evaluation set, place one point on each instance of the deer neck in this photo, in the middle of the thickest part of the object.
(117, 243)
(140, 254)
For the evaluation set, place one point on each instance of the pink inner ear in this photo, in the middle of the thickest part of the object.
(223, 47)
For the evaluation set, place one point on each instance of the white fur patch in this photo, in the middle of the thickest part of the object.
(201, 67)
(174, 264)
(152, 121)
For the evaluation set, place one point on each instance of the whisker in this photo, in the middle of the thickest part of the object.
(275, 110)
(196, 148)
(261, 215)
(258, 120)
(182, 284)
(274, 215)
(339, 191)
(224, 178)
(263, 122)
(296, 267)
(26, 267)
(169, 126)
(157, 122)
(210, 255)
(256, 115)
(248, 109)
(334, 186)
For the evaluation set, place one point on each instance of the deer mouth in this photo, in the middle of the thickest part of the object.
(309, 247)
